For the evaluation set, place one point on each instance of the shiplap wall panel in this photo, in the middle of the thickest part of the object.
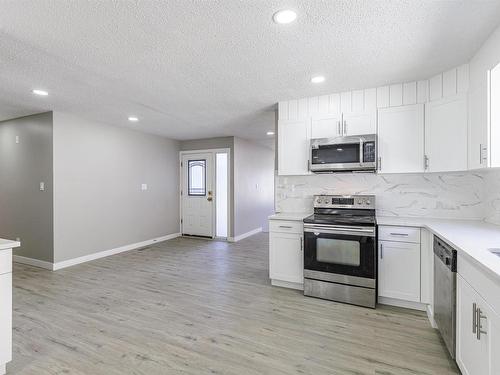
(323, 104)
(463, 78)
(292, 110)
(313, 105)
(303, 108)
(436, 87)
(450, 83)
(358, 101)
(396, 95)
(346, 101)
(370, 99)
(422, 91)
(334, 107)
(383, 97)
(283, 111)
(410, 93)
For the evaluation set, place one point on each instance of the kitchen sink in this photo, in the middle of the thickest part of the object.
(495, 250)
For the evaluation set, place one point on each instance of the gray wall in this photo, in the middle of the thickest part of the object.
(214, 143)
(25, 211)
(98, 172)
(253, 186)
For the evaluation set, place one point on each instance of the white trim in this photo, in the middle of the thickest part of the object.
(32, 262)
(3, 369)
(430, 315)
(402, 303)
(214, 152)
(105, 253)
(94, 256)
(245, 235)
(287, 284)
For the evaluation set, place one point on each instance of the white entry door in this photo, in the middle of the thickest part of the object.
(197, 194)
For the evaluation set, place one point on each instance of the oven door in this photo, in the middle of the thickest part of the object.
(342, 250)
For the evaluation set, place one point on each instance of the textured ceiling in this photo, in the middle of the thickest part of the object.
(192, 69)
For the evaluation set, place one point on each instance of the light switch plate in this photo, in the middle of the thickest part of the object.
(144, 187)
(42, 186)
(17, 139)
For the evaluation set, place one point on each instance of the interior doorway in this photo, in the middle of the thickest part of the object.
(205, 192)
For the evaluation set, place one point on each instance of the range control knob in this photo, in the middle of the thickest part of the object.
(367, 202)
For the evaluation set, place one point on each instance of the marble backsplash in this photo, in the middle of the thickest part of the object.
(459, 195)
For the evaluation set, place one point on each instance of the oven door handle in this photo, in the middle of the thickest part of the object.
(355, 231)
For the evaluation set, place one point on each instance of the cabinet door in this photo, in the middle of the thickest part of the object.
(5, 318)
(399, 270)
(401, 139)
(286, 260)
(328, 126)
(472, 354)
(446, 134)
(293, 147)
(359, 123)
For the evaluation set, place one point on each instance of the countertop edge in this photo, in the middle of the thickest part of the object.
(8, 244)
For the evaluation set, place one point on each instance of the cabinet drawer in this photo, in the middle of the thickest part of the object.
(5, 261)
(283, 226)
(399, 234)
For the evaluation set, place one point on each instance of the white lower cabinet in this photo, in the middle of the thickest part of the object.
(286, 255)
(478, 333)
(5, 319)
(399, 270)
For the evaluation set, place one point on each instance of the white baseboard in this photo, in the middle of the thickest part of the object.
(402, 303)
(287, 284)
(87, 258)
(106, 253)
(244, 235)
(430, 315)
(32, 262)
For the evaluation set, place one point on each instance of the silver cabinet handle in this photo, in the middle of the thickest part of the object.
(345, 127)
(426, 162)
(286, 226)
(338, 128)
(381, 251)
(399, 234)
(474, 316)
(479, 325)
(379, 163)
(301, 243)
(482, 153)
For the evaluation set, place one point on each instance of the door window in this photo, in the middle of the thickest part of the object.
(335, 251)
(197, 181)
(341, 153)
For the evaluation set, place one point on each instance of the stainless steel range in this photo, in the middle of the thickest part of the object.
(340, 250)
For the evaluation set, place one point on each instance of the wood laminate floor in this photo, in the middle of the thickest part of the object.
(189, 306)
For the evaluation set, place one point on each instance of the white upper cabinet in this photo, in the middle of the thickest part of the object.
(494, 110)
(326, 126)
(401, 139)
(359, 123)
(293, 147)
(446, 134)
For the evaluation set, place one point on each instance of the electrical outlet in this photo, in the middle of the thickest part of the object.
(17, 139)
(42, 186)
(18, 239)
(144, 187)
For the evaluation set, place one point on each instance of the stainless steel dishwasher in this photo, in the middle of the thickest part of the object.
(445, 292)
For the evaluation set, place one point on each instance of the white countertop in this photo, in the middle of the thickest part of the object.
(290, 216)
(8, 244)
(472, 238)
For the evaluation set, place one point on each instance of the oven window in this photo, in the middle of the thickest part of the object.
(338, 251)
(341, 153)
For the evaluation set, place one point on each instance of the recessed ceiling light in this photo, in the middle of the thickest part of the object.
(270, 133)
(40, 92)
(284, 16)
(133, 119)
(317, 79)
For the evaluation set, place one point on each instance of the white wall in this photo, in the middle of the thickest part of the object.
(253, 186)
(98, 172)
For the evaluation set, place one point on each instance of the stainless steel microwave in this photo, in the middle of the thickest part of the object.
(344, 154)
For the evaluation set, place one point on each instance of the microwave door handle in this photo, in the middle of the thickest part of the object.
(361, 151)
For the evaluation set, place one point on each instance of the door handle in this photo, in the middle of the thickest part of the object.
(478, 322)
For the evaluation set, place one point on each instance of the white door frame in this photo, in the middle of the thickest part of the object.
(214, 151)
